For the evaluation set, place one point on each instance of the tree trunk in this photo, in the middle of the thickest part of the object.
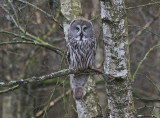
(157, 110)
(116, 65)
(86, 108)
(8, 109)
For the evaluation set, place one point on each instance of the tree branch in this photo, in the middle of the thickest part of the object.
(51, 104)
(60, 73)
(145, 57)
(9, 89)
(145, 5)
(34, 42)
(42, 11)
(27, 35)
(141, 31)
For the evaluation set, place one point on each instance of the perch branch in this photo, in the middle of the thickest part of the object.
(60, 73)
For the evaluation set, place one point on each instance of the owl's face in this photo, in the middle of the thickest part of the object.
(81, 30)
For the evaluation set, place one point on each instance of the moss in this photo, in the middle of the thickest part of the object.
(76, 9)
(72, 10)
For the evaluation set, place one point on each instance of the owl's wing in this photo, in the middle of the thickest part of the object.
(68, 54)
(94, 47)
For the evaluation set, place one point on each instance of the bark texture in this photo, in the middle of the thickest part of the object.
(116, 65)
(157, 110)
(8, 109)
(88, 107)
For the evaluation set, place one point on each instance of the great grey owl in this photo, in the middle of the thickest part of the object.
(81, 53)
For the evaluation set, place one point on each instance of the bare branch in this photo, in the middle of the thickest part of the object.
(145, 57)
(52, 104)
(148, 116)
(148, 107)
(9, 89)
(34, 42)
(144, 5)
(14, 34)
(148, 99)
(44, 12)
(141, 31)
(60, 73)
(145, 29)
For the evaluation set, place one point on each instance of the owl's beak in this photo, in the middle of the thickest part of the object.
(81, 34)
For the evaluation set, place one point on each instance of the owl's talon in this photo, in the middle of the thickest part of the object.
(97, 70)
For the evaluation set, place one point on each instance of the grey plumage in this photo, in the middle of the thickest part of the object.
(81, 53)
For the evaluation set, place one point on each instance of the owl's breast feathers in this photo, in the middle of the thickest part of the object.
(81, 54)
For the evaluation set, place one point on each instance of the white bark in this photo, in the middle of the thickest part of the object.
(71, 9)
(88, 107)
(115, 36)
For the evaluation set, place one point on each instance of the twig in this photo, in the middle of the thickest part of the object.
(148, 107)
(148, 116)
(60, 73)
(9, 89)
(36, 42)
(148, 99)
(145, 57)
(141, 31)
(143, 94)
(145, 29)
(51, 104)
(55, 49)
(17, 42)
(14, 34)
(96, 17)
(154, 84)
(145, 5)
(44, 12)
(52, 28)
(15, 12)
(27, 35)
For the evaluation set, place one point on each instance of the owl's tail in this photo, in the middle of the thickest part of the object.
(78, 93)
(78, 83)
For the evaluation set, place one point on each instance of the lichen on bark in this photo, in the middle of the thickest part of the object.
(115, 37)
(70, 9)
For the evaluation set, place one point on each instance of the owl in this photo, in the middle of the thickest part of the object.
(80, 54)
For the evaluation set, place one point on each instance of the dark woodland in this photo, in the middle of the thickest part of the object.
(33, 45)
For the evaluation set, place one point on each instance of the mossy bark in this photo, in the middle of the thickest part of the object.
(116, 65)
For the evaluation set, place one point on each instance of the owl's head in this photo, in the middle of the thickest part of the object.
(81, 30)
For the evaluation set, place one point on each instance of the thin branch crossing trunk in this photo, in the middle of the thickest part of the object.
(116, 65)
(88, 107)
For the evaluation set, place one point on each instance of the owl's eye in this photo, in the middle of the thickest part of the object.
(77, 28)
(84, 28)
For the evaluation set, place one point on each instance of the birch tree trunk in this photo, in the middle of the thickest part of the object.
(116, 65)
(88, 107)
